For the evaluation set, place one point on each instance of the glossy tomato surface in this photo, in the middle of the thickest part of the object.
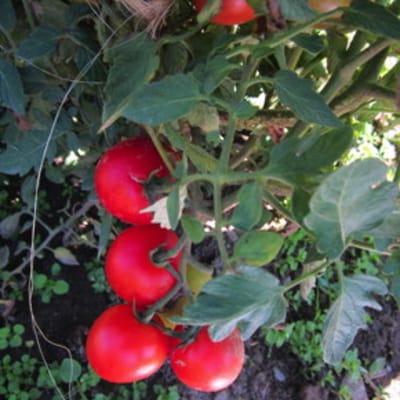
(130, 270)
(327, 5)
(206, 365)
(233, 12)
(119, 178)
(122, 349)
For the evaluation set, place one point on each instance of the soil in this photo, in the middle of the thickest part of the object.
(269, 373)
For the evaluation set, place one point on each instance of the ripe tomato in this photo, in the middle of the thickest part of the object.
(122, 349)
(119, 175)
(206, 365)
(130, 270)
(327, 5)
(233, 12)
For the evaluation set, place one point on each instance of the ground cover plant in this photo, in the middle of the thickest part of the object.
(203, 175)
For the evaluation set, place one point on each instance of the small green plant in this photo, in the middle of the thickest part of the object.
(11, 336)
(46, 286)
(170, 393)
(96, 275)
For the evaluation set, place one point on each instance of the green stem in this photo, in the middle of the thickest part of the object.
(147, 315)
(160, 148)
(294, 57)
(307, 275)
(219, 223)
(227, 144)
(368, 247)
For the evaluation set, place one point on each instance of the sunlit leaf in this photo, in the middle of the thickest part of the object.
(347, 314)
(353, 199)
(249, 299)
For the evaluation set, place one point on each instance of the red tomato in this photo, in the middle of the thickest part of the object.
(129, 269)
(119, 175)
(233, 12)
(122, 349)
(206, 365)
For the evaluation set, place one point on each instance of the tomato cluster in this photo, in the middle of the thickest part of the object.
(121, 347)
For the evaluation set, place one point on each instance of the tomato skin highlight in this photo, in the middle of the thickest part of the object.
(130, 270)
(121, 349)
(206, 365)
(233, 12)
(119, 175)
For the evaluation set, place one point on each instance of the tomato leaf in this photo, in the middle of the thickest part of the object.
(41, 42)
(9, 225)
(134, 64)
(312, 43)
(347, 315)
(65, 256)
(211, 74)
(11, 89)
(299, 95)
(373, 18)
(4, 256)
(165, 100)
(392, 268)
(295, 158)
(249, 211)
(24, 152)
(296, 10)
(352, 200)
(258, 247)
(193, 228)
(249, 299)
(174, 208)
(7, 16)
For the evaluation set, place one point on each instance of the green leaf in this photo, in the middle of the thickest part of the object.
(299, 95)
(388, 230)
(392, 267)
(347, 314)
(25, 152)
(312, 43)
(9, 225)
(40, 281)
(296, 10)
(7, 16)
(70, 370)
(373, 18)
(11, 90)
(295, 158)
(250, 299)
(165, 100)
(352, 200)
(173, 208)
(60, 287)
(41, 42)
(249, 210)
(105, 233)
(258, 247)
(210, 9)
(134, 64)
(65, 256)
(211, 74)
(193, 228)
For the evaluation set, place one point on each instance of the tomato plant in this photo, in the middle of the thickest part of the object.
(122, 349)
(233, 12)
(207, 365)
(130, 270)
(120, 176)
